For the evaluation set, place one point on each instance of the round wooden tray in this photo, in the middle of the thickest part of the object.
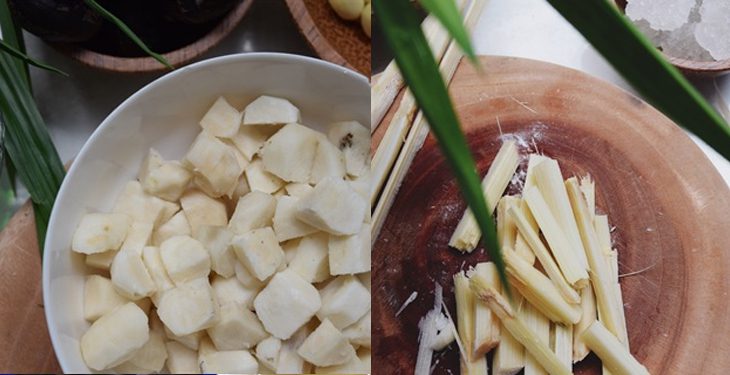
(665, 198)
(335, 40)
(176, 58)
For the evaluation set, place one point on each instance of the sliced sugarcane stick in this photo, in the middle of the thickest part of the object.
(600, 222)
(522, 248)
(615, 357)
(588, 187)
(603, 286)
(588, 308)
(603, 231)
(486, 325)
(540, 325)
(467, 233)
(509, 356)
(542, 254)
(562, 343)
(390, 82)
(539, 290)
(549, 179)
(506, 229)
(419, 131)
(575, 274)
(516, 326)
(477, 367)
(464, 313)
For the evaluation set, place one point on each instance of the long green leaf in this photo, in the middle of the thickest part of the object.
(9, 49)
(28, 143)
(616, 38)
(13, 35)
(403, 33)
(126, 30)
(448, 14)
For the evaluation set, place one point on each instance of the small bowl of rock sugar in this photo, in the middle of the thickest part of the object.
(692, 34)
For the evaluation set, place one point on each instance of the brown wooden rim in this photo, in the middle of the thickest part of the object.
(176, 58)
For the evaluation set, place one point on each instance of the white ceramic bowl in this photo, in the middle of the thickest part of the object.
(164, 115)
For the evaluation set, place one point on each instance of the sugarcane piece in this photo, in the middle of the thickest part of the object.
(506, 229)
(464, 312)
(486, 325)
(539, 291)
(522, 246)
(588, 187)
(540, 325)
(562, 343)
(420, 130)
(615, 357)
(600, 279)
(467, 233)
(588, 307)
(517, 328)
(509, 356)
(549, 180)
(601, 224)
(477, 367)
(541, 252)
(603, 231)
(562, 249)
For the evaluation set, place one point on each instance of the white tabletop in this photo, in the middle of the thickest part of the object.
(533, 29)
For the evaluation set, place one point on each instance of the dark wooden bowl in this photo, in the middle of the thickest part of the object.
(666, 199)
(178, 57)
(334, 39)
(692, 67)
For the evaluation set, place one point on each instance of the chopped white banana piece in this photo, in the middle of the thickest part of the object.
(286, 224)
(259, 251)
(163, 179)
(290, 250)
(254, 210)
(191, 341)
(230, 291)
(359, 333)
(169, 209)
(353, 140)
(153, 261)
(349, 10)
(216, 162)
(289, 154)
(101, 261)
(152, 356)
(232, 362)
(267, 352)
(329, 161)
(221, 120)
(178, 225)
(286, 304)
(130, 276)
(216, 240)
(100, 297)
(350, 254)
(261, 180)
(181, 360)
(334, 207)
(189, 307)
(98, 233)
(289, 360)
(237, 328)
(185, 259)
(205, 347)
(244, 276)
(365, 19)
(241, 188)
(365, 280)
(310, 259)
(249, 139)
(269, 110)
(344, 301)
(326, 346)
(201, 210)
(138, 237)
(298, 189)
(140, 206)
(115, 337)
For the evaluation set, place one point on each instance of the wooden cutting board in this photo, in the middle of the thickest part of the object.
(26, 345)
(335, 40)
(667, 201)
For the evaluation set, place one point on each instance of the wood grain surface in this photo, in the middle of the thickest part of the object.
(25, 346)
(176, 58)
(334, 39)
(665, 198)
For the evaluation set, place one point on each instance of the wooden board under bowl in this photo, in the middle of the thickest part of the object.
(665, 198)
(334, 39)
